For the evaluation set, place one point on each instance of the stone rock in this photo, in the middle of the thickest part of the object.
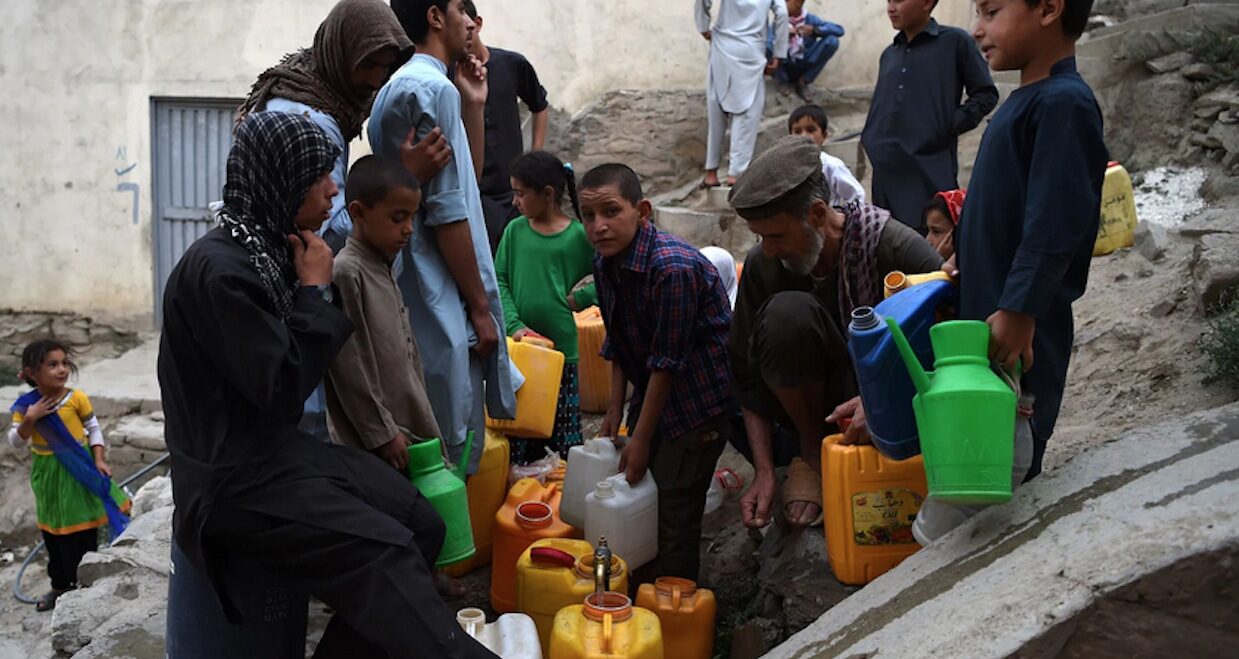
(717, 198)
(1197, 72)
(1222, 97)
(1211, 221)
(1169, 63)
(141, 432)
(1151, 240)
(1131, 549)
(1145, 120)
(1206, 141)
(1163, 308)
(1208, 113)
(1228, 117)
(1216, 268)
(1226, 135)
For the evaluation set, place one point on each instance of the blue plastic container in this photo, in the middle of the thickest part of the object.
(885, 386)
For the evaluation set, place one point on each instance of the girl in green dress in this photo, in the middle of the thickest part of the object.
(69, 513)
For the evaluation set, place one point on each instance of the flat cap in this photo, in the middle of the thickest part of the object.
(764, 188)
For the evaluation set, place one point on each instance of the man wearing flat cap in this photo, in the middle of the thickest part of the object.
(788, 344)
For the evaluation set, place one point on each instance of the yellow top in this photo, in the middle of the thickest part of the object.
(74, 410)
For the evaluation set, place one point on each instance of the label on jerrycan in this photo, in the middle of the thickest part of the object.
(885, 517)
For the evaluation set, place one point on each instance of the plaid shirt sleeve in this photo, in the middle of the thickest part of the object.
(674, 309)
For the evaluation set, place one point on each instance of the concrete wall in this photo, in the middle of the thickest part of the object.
(77, 78)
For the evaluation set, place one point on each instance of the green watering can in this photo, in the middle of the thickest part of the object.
(965, 415)
(446, 492)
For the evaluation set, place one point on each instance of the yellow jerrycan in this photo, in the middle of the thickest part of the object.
(1118, 211)
(536, 400)
(486, 491)
(595, 372)
(686, 613)
(558, 572)
(869, 502)
(606, 626)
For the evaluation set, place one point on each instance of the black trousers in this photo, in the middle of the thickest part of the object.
(65, 552)
(384, 596)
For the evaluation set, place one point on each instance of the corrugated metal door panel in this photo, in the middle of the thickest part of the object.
(191, 139)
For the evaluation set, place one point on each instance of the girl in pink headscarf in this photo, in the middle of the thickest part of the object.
(941, 217)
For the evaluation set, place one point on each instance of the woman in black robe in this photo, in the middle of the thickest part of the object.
(249, 331)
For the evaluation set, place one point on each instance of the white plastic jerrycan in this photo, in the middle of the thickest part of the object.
(512, 636)
(589, 463)
(627, 516)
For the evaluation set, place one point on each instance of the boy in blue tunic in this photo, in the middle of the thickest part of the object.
(1028, 226)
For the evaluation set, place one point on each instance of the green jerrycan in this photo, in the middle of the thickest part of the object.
(445, 490)
(965, 415)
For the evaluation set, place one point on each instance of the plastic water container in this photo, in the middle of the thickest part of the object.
(530, 513)
(445, 490)
(885, 386)
(594, 371)
(606, 626)
(686, 614)
(512, 636)
(937, 518)
(965, 415)
(588, 463)
(896, 281)
(486, 492)
(275, 615)
(627, 516)
(537, 399)
(869, 503)
(1118, 211)
(558, 572)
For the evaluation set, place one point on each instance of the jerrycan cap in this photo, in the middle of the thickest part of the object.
(864, 318)
(895, 281)
(604, 490)
(599, 605)
(534, 514)
(471, 620)
(960, 341)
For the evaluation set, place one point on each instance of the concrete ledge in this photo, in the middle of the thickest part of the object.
(1009, 579)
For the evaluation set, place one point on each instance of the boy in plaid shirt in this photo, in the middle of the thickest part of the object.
(667, 316)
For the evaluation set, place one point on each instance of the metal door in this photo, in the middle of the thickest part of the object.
(191, 139)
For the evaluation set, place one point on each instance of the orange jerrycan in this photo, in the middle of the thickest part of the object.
(531, 512)
(606, 626)
(869, 502)
(537, 398)
(686, 613)
(558, 572)
(595, 372)
(487, 490)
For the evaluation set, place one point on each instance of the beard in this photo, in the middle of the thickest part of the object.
(803, 264)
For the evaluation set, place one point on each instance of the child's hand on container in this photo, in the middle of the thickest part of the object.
(395, 452)
(1011, 338)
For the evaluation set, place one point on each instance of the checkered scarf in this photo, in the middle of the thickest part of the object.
(860, 283)
(275, 159)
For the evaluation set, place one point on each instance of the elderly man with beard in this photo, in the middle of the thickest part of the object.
(788, 342)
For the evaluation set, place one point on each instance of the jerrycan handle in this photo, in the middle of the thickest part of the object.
(462, 470)
(551, 556)
(607, 633)
(1011, 379)
(919, 378)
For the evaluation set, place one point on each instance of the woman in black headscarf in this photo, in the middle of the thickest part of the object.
(249, 330)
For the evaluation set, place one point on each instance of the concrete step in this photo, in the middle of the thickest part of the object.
(1128, 550)
(717, 198)
(699, 228)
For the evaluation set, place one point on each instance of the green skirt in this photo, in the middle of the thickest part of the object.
(64, 505)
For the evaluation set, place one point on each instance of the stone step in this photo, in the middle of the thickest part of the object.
(717, 198)
(699, 228)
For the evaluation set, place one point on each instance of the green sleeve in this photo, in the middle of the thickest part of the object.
(586, 296)
(503, 272)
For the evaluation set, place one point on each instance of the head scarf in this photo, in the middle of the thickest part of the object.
(275, 160)
(860, 283)
(954, 202)
(726, 266)
(320, 76)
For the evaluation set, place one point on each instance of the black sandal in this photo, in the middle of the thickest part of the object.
(48, 601)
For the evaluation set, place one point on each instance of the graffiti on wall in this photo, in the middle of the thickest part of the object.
(124, 168)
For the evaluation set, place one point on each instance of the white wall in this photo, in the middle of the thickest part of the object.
(77, 78)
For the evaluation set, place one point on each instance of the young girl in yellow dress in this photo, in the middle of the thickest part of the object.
(73, 491)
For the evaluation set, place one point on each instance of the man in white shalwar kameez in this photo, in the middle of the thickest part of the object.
(734, 83)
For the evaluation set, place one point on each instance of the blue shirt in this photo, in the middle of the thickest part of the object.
(420, 95)
(665, 309)
(916, 116)
(1025, 238)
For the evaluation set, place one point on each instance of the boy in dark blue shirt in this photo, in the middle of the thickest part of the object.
(912, 132)
(1028, 227)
